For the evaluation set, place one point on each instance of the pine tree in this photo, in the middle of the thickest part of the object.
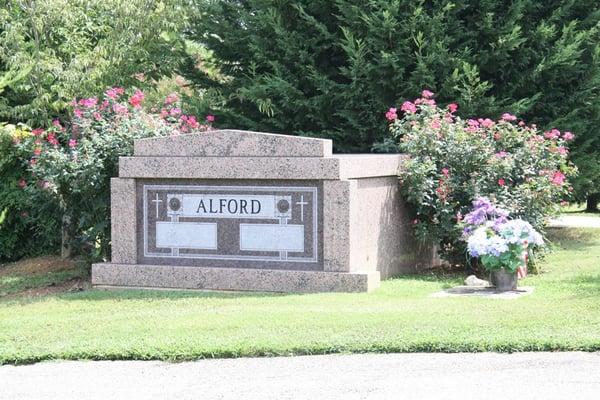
(332, 68)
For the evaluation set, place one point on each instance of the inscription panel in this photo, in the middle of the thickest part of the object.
(230, 225)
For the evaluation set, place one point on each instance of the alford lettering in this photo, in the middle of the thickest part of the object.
(229, 206)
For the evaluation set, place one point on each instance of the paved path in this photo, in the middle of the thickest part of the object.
(575, 221)
(526, 376)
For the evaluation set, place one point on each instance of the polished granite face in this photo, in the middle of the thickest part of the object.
(250, 224)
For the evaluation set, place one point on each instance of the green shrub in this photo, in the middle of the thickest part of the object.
(75, 162)
(453, 161)
(29, 217)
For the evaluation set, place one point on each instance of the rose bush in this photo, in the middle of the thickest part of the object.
(29, 218)
(74, 161)
(453, 161)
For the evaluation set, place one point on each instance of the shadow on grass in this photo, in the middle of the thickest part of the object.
(96, 294)
(577, 239)
(446, 279)
(99, 294)
(584, 286)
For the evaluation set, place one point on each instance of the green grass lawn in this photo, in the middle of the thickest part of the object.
(562, 314)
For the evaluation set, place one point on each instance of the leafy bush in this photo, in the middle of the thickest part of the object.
(453, 161)
(75, 162)
(52, 51)
(327, 68)
(29, 217)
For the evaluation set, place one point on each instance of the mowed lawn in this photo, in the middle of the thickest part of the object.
(562, 314)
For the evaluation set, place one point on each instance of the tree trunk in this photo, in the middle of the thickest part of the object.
(65, 248)
(592, 202)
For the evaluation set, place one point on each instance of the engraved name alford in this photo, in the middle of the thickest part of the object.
(267, 223)
(229, 206)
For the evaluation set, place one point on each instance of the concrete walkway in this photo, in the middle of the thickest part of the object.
(575, 221)
(546, 376)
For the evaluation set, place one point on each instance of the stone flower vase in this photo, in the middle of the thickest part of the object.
(503, 279)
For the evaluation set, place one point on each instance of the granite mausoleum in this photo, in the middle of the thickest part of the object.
(239, 210)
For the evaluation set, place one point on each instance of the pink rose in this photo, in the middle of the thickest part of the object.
(553, 134)
(563, 151)
(508, 117)
(171, 98)
(501, 182)
(408, 107)
(89, 102)
(426, 94)
(568, 136)
(210, 118)
(558, 178)
(72, 143)
(120, 108)
(452, 107)
(486, 123)
(51, 138)
(391, 114)
(114, 92)
(435, 124)
(192, 122)
(136, 99)
(37, 132)
(445, 172)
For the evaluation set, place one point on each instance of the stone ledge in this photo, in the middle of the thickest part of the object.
(231, 279)
(329, 168)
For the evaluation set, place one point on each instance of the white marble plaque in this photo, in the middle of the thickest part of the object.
(269, 237)
(189, 235)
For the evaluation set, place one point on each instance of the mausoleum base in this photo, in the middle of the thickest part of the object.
(234, 279)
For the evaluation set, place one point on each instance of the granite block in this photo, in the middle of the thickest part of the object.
(233, 143)
(336, 225)
(237, 279)
(376, 242)
(331, 168)
(123, 217)
(354, 166)
(229, 167)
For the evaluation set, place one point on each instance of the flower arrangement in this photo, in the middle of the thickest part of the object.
(454, 160)
(498, 241)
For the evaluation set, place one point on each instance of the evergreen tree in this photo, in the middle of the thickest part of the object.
(332, 68)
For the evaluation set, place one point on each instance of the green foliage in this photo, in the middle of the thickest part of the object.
(330, 68)
(29, 218)
(52, 51)
(454, 161)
